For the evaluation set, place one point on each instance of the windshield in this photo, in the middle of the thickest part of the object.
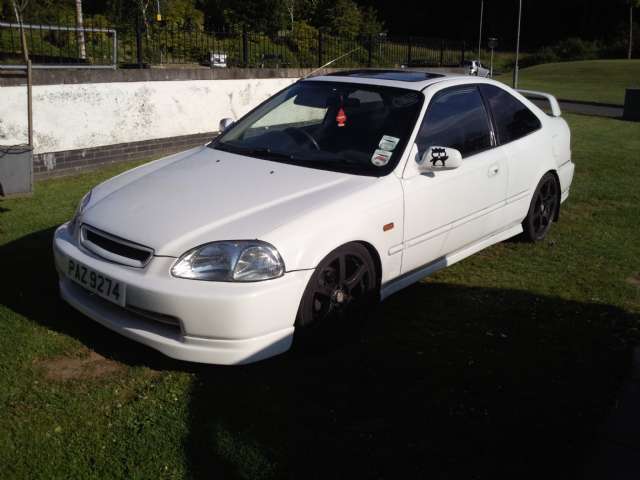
(348, 127)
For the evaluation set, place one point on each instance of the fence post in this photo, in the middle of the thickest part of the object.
(139, 55)
(370, 51)
(409, 51)
(245, 47)
(441, 52)
(320, 45)
(462, 53)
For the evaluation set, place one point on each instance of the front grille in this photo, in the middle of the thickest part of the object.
(114, 248)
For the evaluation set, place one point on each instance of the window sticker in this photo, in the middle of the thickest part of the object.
(381, 157)
(388, 143)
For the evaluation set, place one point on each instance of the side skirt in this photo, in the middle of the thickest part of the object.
(414, 276)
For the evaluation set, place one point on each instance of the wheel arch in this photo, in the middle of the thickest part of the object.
(375, 256)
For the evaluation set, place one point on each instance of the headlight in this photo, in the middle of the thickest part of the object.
(232, 261)
(81, 206)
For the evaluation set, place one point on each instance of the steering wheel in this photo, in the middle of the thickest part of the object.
(306, 136)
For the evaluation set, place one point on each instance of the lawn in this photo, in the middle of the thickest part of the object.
(504, 365)
(601, 81)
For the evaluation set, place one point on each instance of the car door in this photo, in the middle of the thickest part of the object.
(519, 134)
(449, 209)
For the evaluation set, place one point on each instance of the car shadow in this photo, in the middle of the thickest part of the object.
(444, 381)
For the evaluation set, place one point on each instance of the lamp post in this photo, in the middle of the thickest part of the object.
(493, 43)
(480, 34)
(515, 70)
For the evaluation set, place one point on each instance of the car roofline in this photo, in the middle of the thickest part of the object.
(363, 80)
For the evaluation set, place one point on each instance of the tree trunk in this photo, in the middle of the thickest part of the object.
(82, 49)
(27, 61)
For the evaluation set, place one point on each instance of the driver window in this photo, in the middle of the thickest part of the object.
(456, 118)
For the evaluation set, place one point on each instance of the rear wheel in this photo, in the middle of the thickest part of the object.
(339, 294)
(542, 210)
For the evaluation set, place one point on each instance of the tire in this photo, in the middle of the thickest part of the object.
(338, 297)
(543, 209)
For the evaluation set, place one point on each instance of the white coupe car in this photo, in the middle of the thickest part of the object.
(333, 194)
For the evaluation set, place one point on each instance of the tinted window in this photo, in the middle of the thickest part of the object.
(456, 118)
(513, 119)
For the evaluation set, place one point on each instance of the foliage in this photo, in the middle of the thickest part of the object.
(577, 49)
(337, 17)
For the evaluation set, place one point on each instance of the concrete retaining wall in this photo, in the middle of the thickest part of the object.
(79, 116)
(84, 118)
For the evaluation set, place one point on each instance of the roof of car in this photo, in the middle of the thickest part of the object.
(410, 79)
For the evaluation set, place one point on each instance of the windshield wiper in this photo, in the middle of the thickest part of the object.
(259, 151)
(270, 153)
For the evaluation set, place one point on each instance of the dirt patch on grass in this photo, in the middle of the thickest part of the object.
(91, 366)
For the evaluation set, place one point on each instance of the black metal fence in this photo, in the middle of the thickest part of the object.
(98, 45)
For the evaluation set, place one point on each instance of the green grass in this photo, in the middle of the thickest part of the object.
(505, 364)
(602, 81)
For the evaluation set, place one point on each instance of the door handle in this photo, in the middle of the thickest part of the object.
(493, 170)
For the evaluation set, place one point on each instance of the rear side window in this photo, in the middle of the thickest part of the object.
(456, 118)
(513, 120)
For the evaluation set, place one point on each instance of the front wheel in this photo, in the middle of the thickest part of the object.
(339, 294)
(543, 208)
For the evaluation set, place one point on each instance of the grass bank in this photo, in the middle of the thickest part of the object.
(601, 81)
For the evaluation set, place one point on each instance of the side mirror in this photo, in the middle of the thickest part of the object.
(225, 124)
(440, 158)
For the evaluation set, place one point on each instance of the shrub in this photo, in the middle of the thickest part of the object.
(577, 49)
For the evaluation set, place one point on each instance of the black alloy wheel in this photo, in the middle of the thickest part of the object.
(339, 294)
(543, 209)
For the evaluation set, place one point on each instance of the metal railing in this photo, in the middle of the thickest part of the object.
(59, 46)
(49, 52)
(247, 49)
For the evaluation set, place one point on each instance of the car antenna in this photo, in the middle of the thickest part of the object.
(329, 63)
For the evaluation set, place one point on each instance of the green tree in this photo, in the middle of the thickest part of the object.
(341, 17)
(369, 24)
(182, 14)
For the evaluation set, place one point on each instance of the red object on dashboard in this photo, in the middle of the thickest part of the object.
(341, 117)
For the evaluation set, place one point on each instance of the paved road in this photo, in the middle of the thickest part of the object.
(585, 108)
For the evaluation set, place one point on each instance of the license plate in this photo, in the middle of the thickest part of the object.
(96, 282)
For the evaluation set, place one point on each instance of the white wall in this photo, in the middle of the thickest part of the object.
(74, 116)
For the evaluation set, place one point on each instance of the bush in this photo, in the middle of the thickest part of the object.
(577, 49)
(543, 55)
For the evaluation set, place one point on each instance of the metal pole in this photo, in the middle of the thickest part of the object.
(139, 41)
(630, 30)
(29, 103)
(491, 74)
(515, 70)
(480, 34)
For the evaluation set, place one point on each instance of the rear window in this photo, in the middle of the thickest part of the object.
(513, 119)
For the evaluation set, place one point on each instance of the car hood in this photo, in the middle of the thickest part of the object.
(205, 195)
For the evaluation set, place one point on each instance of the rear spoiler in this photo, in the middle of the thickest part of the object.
(553, 102)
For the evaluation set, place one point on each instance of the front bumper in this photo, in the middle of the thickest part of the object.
(215, 322)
